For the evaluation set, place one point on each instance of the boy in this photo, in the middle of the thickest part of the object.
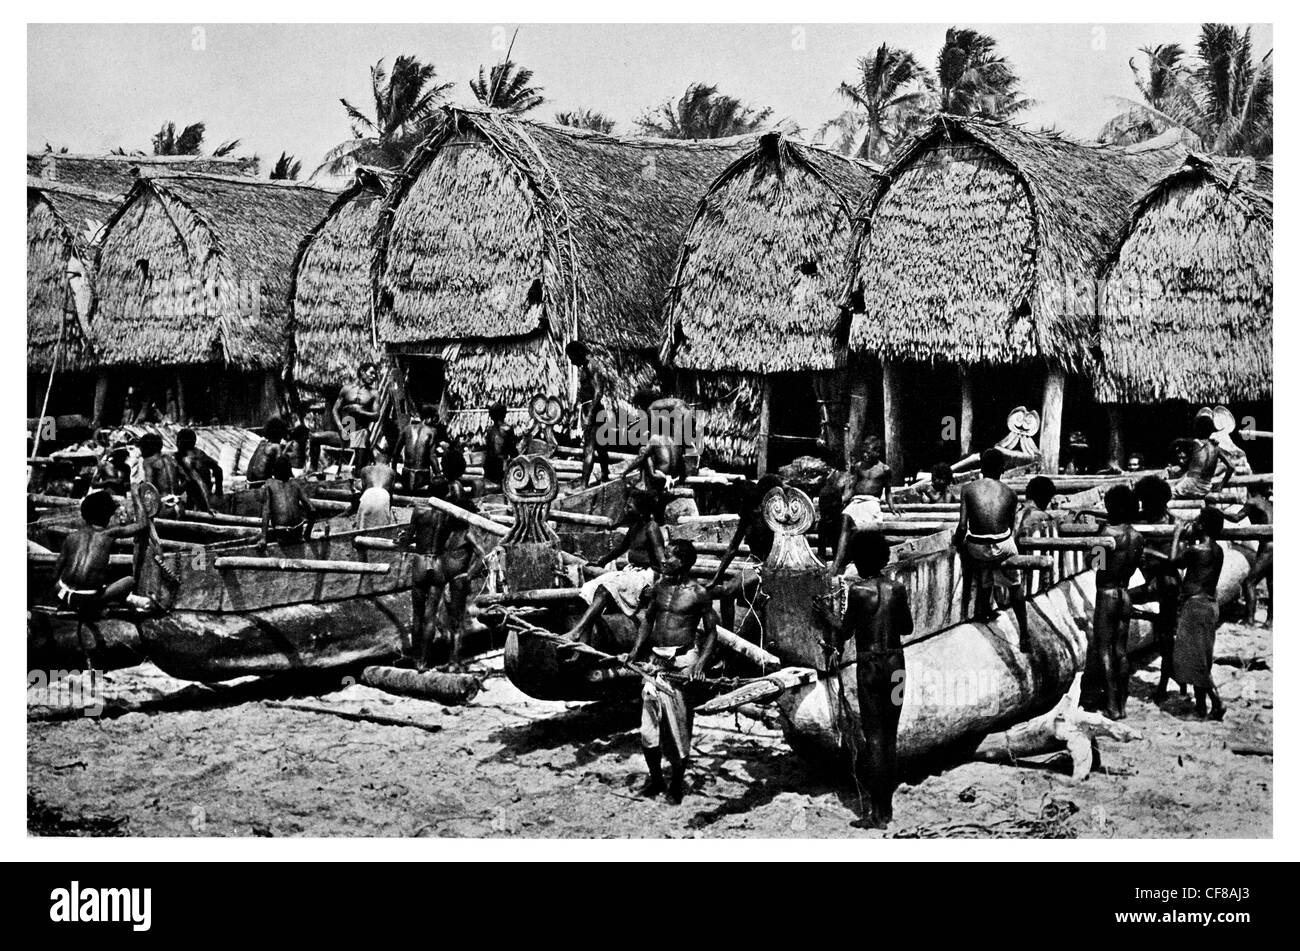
(1106, 671)
(287, 515)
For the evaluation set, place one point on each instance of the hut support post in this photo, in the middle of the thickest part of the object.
(270, 395)
(180, 398)
(101, 397)
(966, 437)
(1053, 402)
(892, 404)
(857, 417)
(764, 426)
(1115, 435)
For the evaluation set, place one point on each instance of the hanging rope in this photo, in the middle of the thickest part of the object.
(54, 364)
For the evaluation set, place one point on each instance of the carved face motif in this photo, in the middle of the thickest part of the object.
(545, 410)
(1023, 422)
(530, 479)
(150, 499)
(788, 511)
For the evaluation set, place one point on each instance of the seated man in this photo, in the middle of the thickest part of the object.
(287, 514)
(501, 444)
(375, 507)
(1203, 462)
(877, 617)
(166, 475)
(870, 484)
(1106, 670)
(81, 571)
(661, 461)
(262, 460)
(202, 469)
(680, 629)
(940, 488)
(643, 543)
(113, 472)
(984, 539)
(1034, 516)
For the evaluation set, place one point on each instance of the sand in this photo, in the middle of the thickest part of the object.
(262, 758)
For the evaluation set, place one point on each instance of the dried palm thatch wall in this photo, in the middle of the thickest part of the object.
(330, 298)
(983, 244)
(115, 174)
(504, 239)
(63, 224)
(195, 269)
(758, 279)
(1188, 308)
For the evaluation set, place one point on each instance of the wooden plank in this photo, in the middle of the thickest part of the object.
(1050, 435)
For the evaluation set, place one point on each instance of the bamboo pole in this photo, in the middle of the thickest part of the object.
(1053, 405)
(764, 426)
(324, 565)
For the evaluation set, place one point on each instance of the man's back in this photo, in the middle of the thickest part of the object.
(85, 555)
(1204, 460)
(990, 506)
(378, 474)
(877, 613)
(1118, 565)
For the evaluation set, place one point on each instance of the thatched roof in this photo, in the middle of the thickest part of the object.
(501, 228)
(1188, 308)
(761, 269)
(330, 298)
(195, 269)
(115, 174)
(984, 242)
(63, 223)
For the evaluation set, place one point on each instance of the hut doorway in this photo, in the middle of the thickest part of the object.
(424, 380)
(794, 417)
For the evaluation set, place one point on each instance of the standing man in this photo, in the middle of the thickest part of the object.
(355, 409)
(877, 617)
(681, 630)
(984, 539)
(1258, 510)
(417, 446)
(1198, 609)
(201, 467)
(501, 444)
(1162, 583)
(868, 484)
(1106, 671)
(591, 410)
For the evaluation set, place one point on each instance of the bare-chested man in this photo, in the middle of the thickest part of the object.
(203, 471)
(869, 483)
(417, 449)
(356, 408)
(877, 617)
(751, 529)
(287, 514)
(940, 488)
(1198, 608)
(375, 483)
(1257, 510)
(680, 629)
(446, 556)
(643, 544)
(1106, 671)
(172, 481)
(262, 461)
(1198, 480)
(661, 462)
(984, 539)
(1034, 514)
(1161, 585)
(500, 444)
(591, 409)
(113, 471)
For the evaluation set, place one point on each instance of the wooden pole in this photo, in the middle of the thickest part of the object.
(967, 436)
(858, 401)
(1053, 404)
(101, 398)
(1115, 434)
(324, 565)
(892, 399)
(764, 426)
(180, 399)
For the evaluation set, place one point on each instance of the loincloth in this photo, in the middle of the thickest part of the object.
(77, 598)
(1190, 487)
(986, 556)
(288, 534)
(864, 513)
(375, 508)
(624, 585)
(665, 715)
(1198, 617)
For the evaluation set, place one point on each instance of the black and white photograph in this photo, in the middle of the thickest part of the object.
(535, 430)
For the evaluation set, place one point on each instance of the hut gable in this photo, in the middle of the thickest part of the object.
(330, 297)
(983, 243)
(63, 224)
(572, 230)
(115, 174)
(195, 268)
(762, 264)
(1188, 307)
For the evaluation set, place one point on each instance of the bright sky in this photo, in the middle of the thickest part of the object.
(276, 86)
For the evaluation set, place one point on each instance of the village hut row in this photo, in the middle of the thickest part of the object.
(793, 295)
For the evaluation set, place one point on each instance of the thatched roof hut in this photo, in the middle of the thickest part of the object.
(503, 239)
(63, 224)
(194, 269)
(1188, 306)
(331, 302)
(756, 288)
(115, 174)
(983, 244)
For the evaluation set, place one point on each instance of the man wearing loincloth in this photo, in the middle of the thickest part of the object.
(680, 629)
(417, 449)
(591, 413)
(271, 445)
(287, 515)
(82, 565)
(984, 539)
(375, 508)
(165, 474)
(1198, 609)
(877, 617)
(643, 544)
(1161, 585)
(1203, 460)
(869, 483)
(1106, 670)
(1258, 510)
(356, 408)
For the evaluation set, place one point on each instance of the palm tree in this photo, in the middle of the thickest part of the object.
(506, 87)
(974, 80)
(406, 109)
(188, 142)
(286, 168)
(1224, 102)
(845, 133)
(585, 119)
(890, 86)
(703, 113)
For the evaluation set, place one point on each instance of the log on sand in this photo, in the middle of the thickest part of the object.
(448, 689)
